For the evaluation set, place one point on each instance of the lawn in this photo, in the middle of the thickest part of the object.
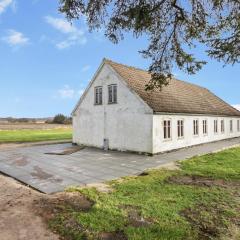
(35, 135)
(201, 200)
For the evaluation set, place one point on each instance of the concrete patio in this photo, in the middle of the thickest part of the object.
(53, 173)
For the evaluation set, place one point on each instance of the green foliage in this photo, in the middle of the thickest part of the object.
(173, 210)
(61, 119)
(8, 136)
(173, 27)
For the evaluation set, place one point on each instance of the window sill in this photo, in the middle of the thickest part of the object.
(110, 103)
(167, 139)
(180, 138)
(97, 104)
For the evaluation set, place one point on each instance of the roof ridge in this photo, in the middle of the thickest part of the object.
(125, 65)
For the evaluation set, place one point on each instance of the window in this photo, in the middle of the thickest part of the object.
(222, 126)
(231, 125)
(195, 127)
(167, 129)
(112, 93)
(204, 127)
(180, 128)
(98, 96)
(238, 125)
(215, 126)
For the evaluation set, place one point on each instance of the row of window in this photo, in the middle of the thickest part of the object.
(180, 127)
(112, 94)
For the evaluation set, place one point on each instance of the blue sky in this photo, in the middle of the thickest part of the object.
(45, 63)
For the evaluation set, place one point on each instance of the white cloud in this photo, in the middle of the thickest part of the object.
(68, 93)
(15, 38)
(85, 68)
(4, 4)
(74, 35)
(237, 106)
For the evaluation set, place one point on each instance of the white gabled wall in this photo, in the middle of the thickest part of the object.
(127, 124)
(161, 145)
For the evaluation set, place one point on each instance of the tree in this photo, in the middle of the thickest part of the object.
(59, 119)
(173, 27)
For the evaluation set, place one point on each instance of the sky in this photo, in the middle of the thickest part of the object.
(46, 63)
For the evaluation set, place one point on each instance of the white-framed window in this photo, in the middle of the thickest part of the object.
(195, 127)
(180, 128)
(238, 125)
(205, 127)
(231, 126)
(112, 93)
(98, 95)
(215, 126)
(167, 129)
(222, 126)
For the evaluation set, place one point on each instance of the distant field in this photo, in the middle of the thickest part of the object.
(10, 133)
(21, 126)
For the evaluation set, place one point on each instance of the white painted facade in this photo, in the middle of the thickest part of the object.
(131, 125)
(127, 124)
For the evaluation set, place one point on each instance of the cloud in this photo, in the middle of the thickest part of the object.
(4, 4)
(15, 38)
(74, 35)
(85, 68)
(68, 93)
(237, 106)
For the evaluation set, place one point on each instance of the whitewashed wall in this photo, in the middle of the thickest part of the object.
(127, 124)
(160, 144)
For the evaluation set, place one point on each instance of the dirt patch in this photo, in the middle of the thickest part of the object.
(67, 151)
(143, 174)
(135, 218)
(17, 217)
(210, 220)
(61, 203)
(118, 235)
(40, 174)
(58, 210)
(202, 181)
(101, 187)
(170, 166)
(21, 161)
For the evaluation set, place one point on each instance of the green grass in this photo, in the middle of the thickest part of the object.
(173, 211)
(10, 136)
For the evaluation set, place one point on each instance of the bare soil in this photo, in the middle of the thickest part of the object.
(203, 181)
(34, 126)
(18, 220)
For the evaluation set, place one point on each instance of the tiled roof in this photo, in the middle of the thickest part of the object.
(177, 97)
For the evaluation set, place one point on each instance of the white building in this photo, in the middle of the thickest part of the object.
(116, 112)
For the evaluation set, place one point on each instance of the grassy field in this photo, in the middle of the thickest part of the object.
(199, 201)
(35, 135)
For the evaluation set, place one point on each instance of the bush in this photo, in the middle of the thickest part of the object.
(61, 119)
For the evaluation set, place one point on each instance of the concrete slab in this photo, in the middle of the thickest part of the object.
(53, 173)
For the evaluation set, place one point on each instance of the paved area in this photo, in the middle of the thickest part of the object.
(53, 173)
